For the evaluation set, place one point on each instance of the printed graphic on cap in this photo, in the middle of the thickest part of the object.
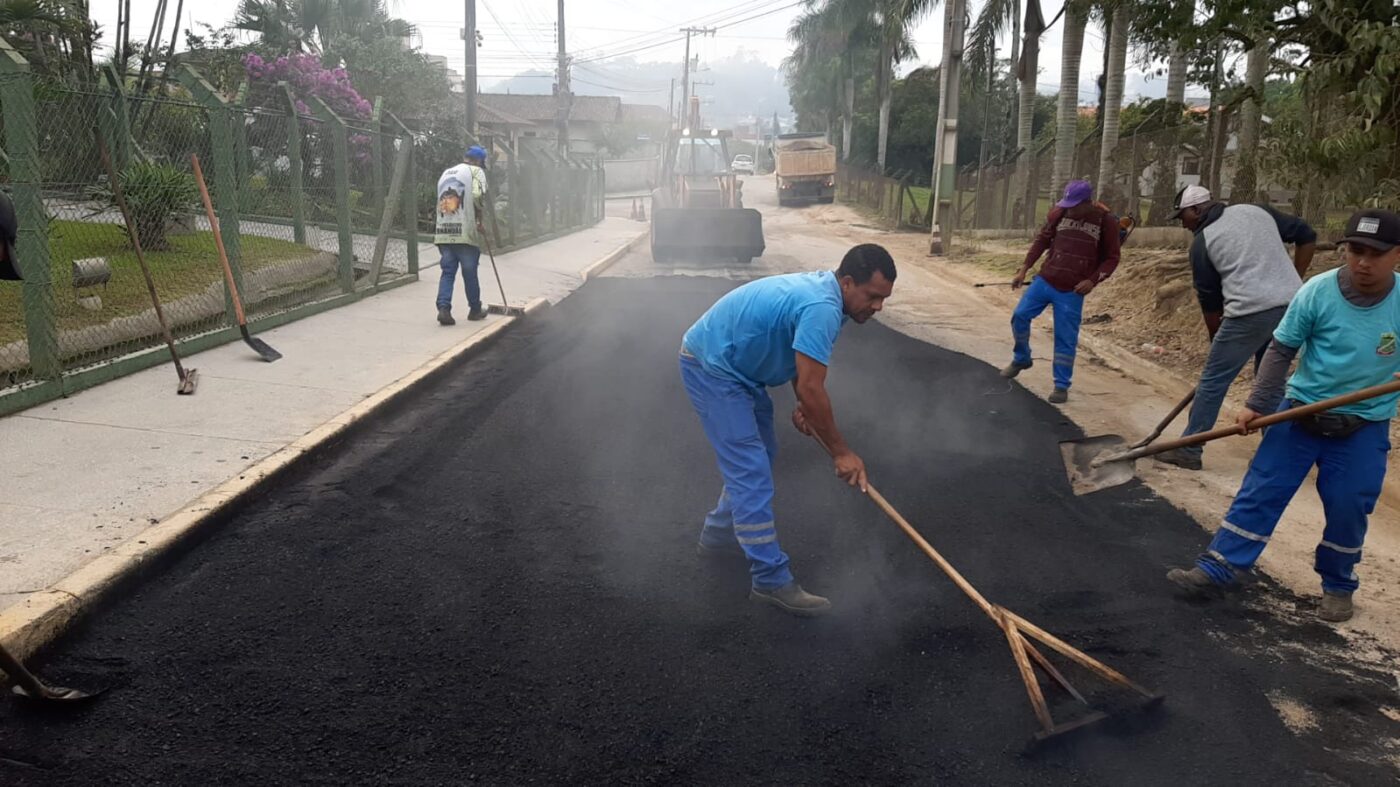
(1368, 225)
(1387, 345)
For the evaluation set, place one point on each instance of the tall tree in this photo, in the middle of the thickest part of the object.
(1067, 115)
(1245, 187)
(1113, 94)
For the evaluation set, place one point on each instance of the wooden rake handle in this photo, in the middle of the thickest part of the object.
(218, 239)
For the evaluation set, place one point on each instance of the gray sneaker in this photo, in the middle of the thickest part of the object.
(1186, 460)
(792, 599)
(445, 316)
(1335, 607)
(1058, 396)
(1012, 369)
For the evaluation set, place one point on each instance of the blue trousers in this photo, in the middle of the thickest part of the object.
(1238, 340)
(738, 421)
(1069, 311)
(1349, 475)
(456, 255)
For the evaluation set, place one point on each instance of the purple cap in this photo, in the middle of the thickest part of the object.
(1076, 191)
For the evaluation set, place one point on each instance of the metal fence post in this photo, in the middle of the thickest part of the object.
(340, 144)
(297, 172)
(32, 245)
(226, 198)
(378, 187)
(243, 160)
(119, 135)
(513, 196)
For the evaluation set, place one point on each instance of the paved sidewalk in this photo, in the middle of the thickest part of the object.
(81, 475)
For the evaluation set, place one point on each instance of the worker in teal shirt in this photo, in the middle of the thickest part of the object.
(767, 333)
(1343, 325)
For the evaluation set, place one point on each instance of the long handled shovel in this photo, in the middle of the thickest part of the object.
(188, 377)
(259, 346)
(1171, 416)
(25, 684)
(1103, 462)
(1019, 633)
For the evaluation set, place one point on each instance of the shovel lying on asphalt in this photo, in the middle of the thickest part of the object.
(1106, 461)
(1019, 633)
(1162, 427)
(259, 346)
(31, 688)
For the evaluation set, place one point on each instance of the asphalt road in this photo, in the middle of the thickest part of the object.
(497, 583)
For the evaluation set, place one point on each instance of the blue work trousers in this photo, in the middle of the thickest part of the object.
(1069, 312)
(468, 258)
(1349, 475)
(1238, 340)
(738, 420)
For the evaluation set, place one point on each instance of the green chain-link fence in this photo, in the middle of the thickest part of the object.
(300, 199)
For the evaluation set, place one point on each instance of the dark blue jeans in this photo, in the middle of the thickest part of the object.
(468, 258)
(1238, 340)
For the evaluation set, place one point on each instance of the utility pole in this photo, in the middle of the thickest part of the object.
(695, 86)
(685, 77)
(671, 102)
(562, 89)
(469, 40)
(945, 149)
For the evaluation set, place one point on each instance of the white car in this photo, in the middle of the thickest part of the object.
(742, 163)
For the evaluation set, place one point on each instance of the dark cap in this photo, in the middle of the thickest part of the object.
(9, 229)
(1378, 229)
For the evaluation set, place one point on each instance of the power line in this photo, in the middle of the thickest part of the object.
(682, 38)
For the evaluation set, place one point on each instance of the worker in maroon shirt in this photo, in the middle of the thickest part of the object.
(1082, 236)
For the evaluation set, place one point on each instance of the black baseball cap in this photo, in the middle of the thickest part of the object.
(1378, 229)
(9, 230)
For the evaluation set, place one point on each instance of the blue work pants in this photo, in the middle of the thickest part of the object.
(1350, 471)
(1069, 311)
(738, 421)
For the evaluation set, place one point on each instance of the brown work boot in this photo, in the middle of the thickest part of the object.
(1058, 396)
(1335, 607)
(1012, 369)
(792, 599)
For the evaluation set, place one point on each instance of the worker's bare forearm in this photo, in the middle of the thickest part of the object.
(1303, 257)
(816, 408)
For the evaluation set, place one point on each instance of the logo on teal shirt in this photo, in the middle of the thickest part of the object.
(1387, 345)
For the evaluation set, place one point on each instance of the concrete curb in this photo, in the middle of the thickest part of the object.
(597, 268)
(42, 617)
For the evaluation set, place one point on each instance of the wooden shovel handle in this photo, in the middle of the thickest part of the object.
(218, 240)
(1265, 420)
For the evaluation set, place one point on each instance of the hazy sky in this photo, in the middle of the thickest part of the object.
(519, 35)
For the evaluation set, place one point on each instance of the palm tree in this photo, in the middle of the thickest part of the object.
(1246, 184)
(313, 25)
(894, 20)
(1067, 114)
(996, 17)
(838, 29)
(1113, 91)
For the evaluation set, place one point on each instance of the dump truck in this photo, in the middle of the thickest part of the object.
(805, 168)
(698, 210)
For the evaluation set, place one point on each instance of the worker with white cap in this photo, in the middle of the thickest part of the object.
(1244, 281)
(461, 190)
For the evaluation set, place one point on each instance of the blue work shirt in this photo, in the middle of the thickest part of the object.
(1344, 347)
(753, 334)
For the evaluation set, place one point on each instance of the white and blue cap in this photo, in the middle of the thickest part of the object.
(476, 152)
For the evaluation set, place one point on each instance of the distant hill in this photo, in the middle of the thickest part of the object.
(744, 86)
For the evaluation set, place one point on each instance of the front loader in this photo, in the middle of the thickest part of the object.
(698, 211)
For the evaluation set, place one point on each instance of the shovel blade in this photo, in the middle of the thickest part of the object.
(261, 347)
(505, 311)
(1086, 477)
(56, 695)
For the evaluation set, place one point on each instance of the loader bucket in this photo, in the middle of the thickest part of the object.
(706, 234)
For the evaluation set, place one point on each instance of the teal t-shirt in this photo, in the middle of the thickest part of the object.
(753, 333)
(1343, 347)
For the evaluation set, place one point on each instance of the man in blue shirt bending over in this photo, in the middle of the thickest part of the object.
(768, 333)
(1343, 326)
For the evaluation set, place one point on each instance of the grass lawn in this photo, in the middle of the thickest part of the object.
(188, 266)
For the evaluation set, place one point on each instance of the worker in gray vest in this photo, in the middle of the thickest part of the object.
(1244, 281)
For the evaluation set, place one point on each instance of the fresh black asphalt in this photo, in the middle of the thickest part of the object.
(496, 583)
